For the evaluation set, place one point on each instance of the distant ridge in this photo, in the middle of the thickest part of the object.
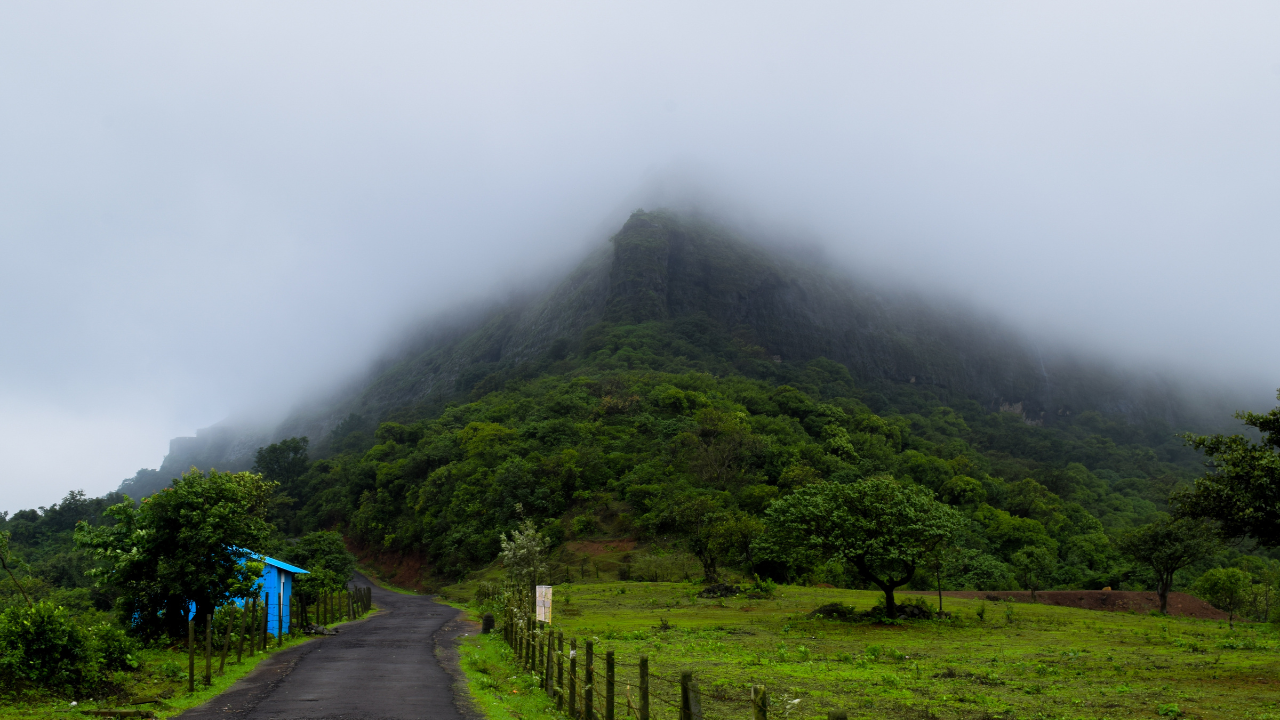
(661, 267)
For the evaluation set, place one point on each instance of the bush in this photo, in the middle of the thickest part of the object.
(41, 648)
(584, 525)
(112, 649)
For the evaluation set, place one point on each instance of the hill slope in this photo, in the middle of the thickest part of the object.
(777, 312)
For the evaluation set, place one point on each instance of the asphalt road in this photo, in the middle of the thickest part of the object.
(381, 668)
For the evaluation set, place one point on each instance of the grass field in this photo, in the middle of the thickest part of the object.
(991, 660)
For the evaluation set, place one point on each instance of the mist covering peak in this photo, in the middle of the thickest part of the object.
(727, 305)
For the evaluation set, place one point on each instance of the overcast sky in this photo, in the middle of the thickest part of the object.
(211, 207)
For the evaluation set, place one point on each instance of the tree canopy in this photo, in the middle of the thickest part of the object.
(1241, 492)
(190, 543)
(1167, 546)
(883, 527)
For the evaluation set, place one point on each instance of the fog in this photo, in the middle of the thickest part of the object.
(217, 208)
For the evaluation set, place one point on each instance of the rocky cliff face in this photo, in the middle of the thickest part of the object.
(663, 267)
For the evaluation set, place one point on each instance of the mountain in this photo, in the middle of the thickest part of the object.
(741, 307)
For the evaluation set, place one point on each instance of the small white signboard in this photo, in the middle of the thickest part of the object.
(543, 603)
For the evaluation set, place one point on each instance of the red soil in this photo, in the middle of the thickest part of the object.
(406, 571)
(600, 547)
(1180, 604)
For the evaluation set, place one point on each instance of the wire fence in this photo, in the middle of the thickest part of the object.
(573, 676)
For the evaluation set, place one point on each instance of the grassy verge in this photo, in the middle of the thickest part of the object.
(990, 660)
(161, 677)
(500, 689)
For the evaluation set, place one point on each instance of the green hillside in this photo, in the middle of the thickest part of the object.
(682, 373)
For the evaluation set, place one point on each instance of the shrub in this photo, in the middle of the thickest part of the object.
(112, 649)
(583, 525)
(41, 648)
(488, 593)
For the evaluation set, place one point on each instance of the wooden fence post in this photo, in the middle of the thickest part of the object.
(266, 613)
(573, 677)
(191, 656)
(226, 644)
(690, 698)
(244, 618)
(644, 687)
(252, 630)
(608, 685)
(559, 670)
(759, 703)
(548, 676)
(279, 618)
(589, 684)
(208, 649)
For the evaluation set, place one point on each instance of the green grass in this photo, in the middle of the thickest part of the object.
(161, 676)
(1022, 661)
(500, 690)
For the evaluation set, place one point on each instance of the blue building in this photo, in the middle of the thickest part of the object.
(277, 588)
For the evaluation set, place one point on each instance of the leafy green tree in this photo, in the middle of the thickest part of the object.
(190, 543)
(1225, 589)
(324, 556)
(714, 534)
(283, 462)
(947, 561)
(1167, 546)
(884, 528)
(1034, 567)
(718, 447)
(1241, 493)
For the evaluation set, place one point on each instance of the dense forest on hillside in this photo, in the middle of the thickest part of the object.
(652, 425)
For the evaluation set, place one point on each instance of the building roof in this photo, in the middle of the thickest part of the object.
(283, 565)
(274, 562)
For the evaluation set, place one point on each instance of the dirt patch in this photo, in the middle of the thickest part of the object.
(410, 571)
(600, 547)
(1180, 604)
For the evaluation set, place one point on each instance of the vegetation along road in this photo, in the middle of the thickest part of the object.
(382, 667)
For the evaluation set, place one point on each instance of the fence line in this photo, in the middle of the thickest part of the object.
(539, 650)
(350, 604)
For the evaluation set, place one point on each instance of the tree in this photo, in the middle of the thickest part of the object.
(5, 561)
(325, 558)
(524, 556)
(1241, 493)
(714, 534)
(283, 462)
(190, 543)
(719, 446)
(946, 561)
(1225, 589)
(1034, 566)
(1167, 546)
(881, 526)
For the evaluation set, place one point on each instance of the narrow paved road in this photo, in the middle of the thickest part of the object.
(382, 668)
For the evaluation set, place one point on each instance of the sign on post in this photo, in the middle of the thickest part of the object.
(543, 603)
